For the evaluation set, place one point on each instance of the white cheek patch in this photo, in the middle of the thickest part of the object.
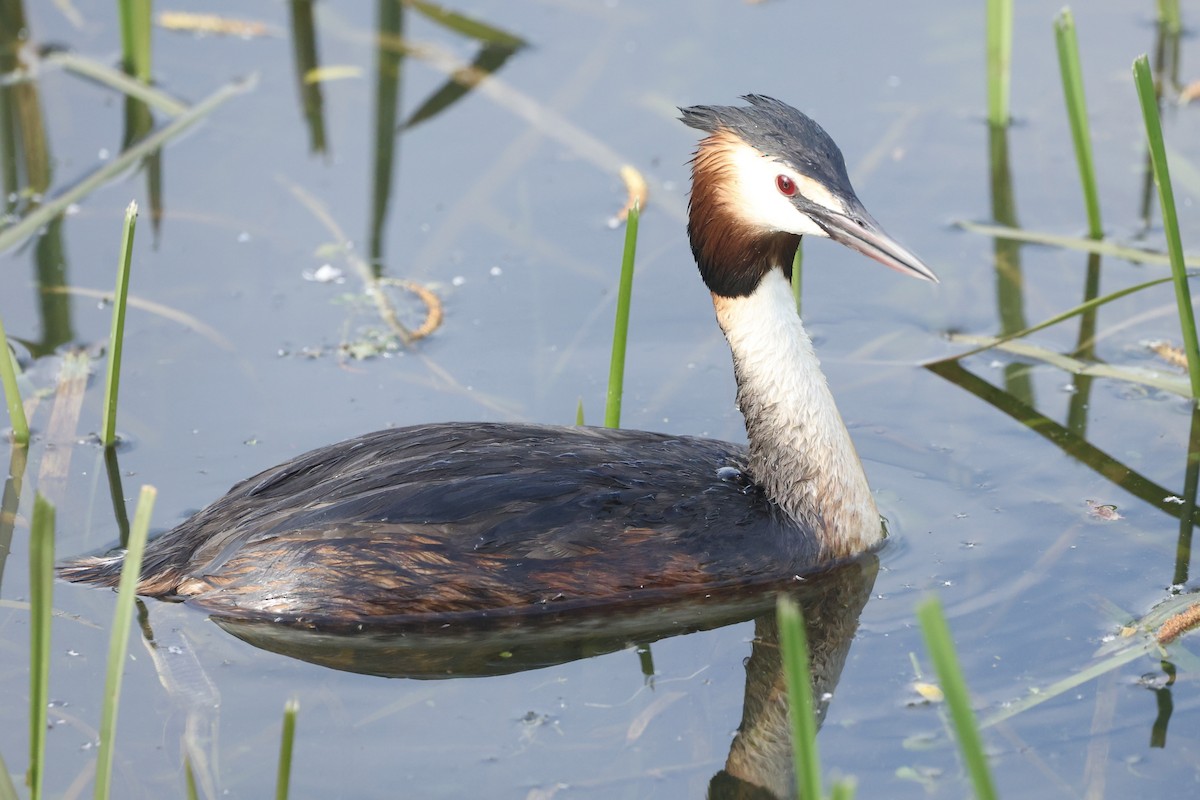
(755, 199)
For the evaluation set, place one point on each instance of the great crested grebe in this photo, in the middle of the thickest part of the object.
(463, 518)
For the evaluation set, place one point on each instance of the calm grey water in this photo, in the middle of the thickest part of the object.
(503, 212)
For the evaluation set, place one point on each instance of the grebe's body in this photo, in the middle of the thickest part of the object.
(458, 518)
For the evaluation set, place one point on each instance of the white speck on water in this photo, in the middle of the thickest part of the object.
(72, 653)
(103, 154)
(495, 272)
(947, 583)
(175, 650)
(326, 273)
(996, 364)
(243, 237)
(457, 280)
(1069, 388)
(72, 209)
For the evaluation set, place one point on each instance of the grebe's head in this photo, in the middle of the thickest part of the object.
(764, 176)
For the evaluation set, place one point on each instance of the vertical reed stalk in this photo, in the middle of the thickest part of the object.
(794, 645)
(1072, 80)
(1170, 16)
(1166, 200)
(41, 587)
(135, 37)
(999, 59)
(286, 741)
(954, 686)
(119, 640)
(108, 432)
(616, 369)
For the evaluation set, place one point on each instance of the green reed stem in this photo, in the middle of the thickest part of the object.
(12, 395)
(116, 80)
(1103, 247)
(1057, 318)
(44, 214)
(954, 686)
(579, 413)
(286, 741)
(794, 646)
(118, 642)
(1166, 199)
(41, 605)
(7, 790)
(616, 369)
(999, 59)
(135, 37)
(112, 383)
(1170, 16)
(189, 778)
(1072, 80)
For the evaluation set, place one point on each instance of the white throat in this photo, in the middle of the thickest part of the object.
(800, 451)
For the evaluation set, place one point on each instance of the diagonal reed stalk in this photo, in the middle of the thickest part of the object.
(13, 234)
(794, 646)
(1072, 80)
(12, 395)
(7, 790)
(1082, 308)
(108, 431)
(119, 640)
(616, 369)
(999, 60)
(1102, 247)
(945, 661)
(41, 587)
(1166, 199)
(286, 741)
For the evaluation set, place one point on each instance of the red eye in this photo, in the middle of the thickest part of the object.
(785, 185)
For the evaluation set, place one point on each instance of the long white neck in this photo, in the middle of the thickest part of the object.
(800, 451)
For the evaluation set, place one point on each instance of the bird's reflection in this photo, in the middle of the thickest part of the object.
(760, 760)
